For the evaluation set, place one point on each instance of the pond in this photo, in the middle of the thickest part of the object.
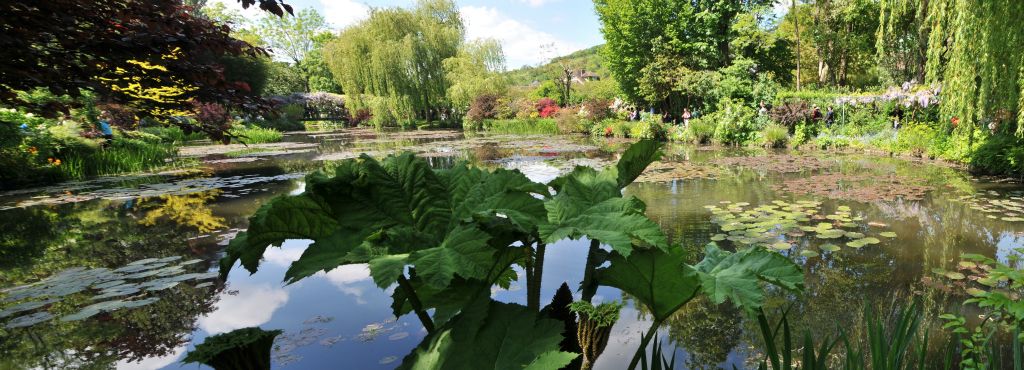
(875, 230)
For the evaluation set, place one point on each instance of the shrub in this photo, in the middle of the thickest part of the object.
(649, 127)
(173, 134)
(546, 107)
(735, 124)
(791, 114)
(702, 130)
(360, 116)
(999, 155)
(256, 135)
(569, 122)
(774, 136)
(596, 109)
(914, 139)
(603, 128)
(483, 107)
(521, 126)
(622, 129)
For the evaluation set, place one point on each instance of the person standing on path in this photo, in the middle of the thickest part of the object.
(103, 125)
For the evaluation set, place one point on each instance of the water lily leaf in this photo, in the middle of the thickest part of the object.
(29, 320)
(492, 335)
(955, 275)
(718, 237)
(781, 246)
(808, 253)
(27, 306)
(831, 234)
(870, 240)
(204, 285)
(967, 264)
(854, 235)
(830, 248)
(143, 261)
(856, 244)
(887, 234)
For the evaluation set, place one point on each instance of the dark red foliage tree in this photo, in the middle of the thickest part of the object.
(67, 46)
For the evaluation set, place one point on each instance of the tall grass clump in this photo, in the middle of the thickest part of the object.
(122, 156)
(173, 134)
(702, 130)
(256, 135)
(522, 126)
(774, 136)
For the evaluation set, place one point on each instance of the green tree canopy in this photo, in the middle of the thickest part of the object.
(397, 55)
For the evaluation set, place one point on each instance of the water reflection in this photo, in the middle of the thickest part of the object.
(109, 224)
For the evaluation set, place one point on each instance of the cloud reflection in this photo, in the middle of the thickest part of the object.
(254, 305)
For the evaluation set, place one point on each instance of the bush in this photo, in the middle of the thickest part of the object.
(999, 155)
(702, 130)
(791, 114)
(521, 126)
(597, 109)
(735, 124)
(804, 132)
(173, 134)
(649, 127)
(546, 107)
(256, 135)
(569, 122)
(915, 139)
(483, 107)
(774, 136)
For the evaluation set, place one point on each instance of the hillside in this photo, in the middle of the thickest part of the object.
(589, 59)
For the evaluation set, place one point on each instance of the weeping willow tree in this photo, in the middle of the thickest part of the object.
(976, 51)
(394, 60)
(902, 40)
(476, 70)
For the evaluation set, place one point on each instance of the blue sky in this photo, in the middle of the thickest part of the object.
(522, 26)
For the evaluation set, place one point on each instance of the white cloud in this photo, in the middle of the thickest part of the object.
(153, 362)
(534, 3)
(254, 305)
(522, 44)
(348, 279)
(283, 256)
(344, 13)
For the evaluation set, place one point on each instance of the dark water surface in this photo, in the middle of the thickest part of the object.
(340, 319)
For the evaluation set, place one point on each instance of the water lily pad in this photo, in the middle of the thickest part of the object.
(854, 235)
(781, 246)
(855, 244)
(29, 320)
(831, 234)
(830, 248)
(27, 306)
(955, 275)
(887, 234)
(718, 237)
(204, 285)
(808, 253)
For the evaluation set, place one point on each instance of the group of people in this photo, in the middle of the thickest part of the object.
(829, 117)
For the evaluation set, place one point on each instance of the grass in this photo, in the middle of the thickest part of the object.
(775, 136)
(122, 156)
(522, 126)
(173, 134)
(256, 135)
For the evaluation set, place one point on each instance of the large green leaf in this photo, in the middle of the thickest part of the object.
(590, 203)
(635, 160)
(465, 252)
(369, 210)
(735, 276)
(617, 222)
(282, 218)
(659, 279)
(492, 335)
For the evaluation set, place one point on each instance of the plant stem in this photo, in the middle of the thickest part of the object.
(417, 306)
(589, 286)
(642, 351)
(538, 273)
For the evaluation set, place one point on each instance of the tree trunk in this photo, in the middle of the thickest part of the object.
(796, 28)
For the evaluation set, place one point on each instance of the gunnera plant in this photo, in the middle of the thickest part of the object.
(595, 327)
(242, 349)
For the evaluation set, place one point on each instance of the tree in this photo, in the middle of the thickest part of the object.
(637, 31)
(843, 32)
(292, 37)
(902, 40)
(976, 52)
(314, 67)
(397, 57)
(476, 70)
(68, 46)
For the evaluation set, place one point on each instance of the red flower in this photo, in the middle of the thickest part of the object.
(607, 131)
(955, 121)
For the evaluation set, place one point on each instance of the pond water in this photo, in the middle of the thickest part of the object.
(878, 229)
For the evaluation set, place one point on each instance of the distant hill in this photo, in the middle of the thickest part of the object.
(589, 59)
